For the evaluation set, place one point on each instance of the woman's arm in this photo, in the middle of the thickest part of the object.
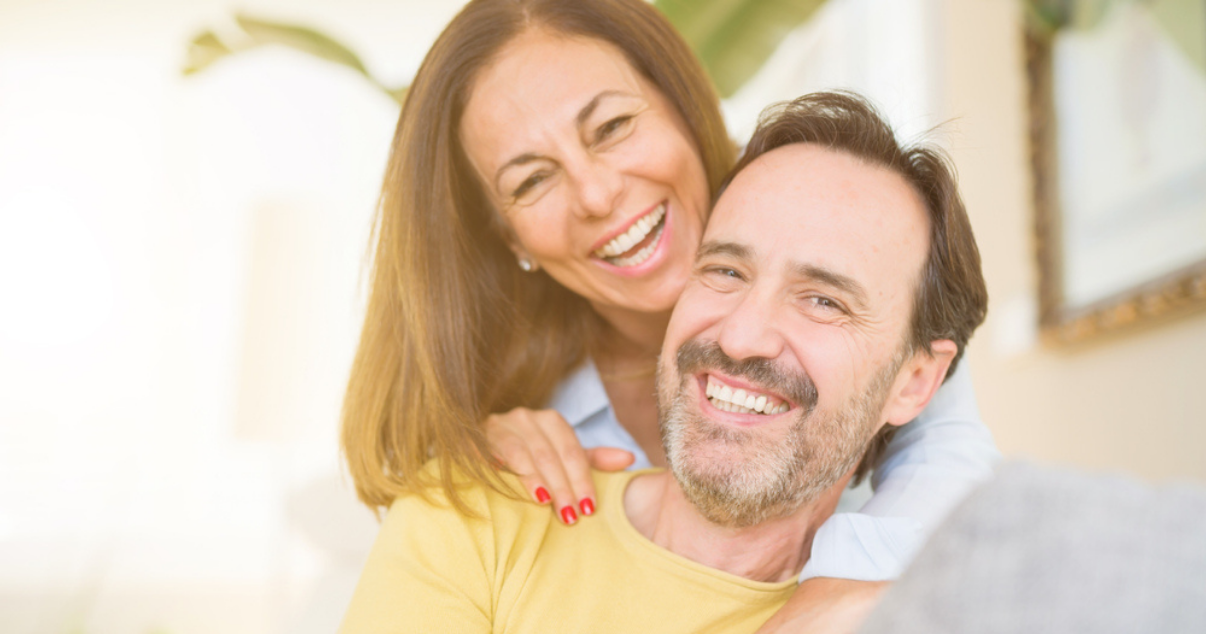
(929, 466)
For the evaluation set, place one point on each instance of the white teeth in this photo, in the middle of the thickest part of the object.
(741, 401)
(635, 234)
(639, 256)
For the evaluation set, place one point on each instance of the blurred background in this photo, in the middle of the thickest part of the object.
(181, 279)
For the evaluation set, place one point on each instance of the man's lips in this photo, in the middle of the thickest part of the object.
(730, 394)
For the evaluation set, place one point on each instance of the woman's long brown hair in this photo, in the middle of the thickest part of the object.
(454, 330)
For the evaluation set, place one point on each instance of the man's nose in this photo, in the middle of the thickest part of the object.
(598, 186)
(749, 331)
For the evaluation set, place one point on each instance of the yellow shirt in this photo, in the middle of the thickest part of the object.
(518, 569)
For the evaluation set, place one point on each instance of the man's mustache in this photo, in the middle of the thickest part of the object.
(796, 386)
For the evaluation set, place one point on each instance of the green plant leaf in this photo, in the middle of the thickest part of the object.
(301, 38)
(205, 49)
(398, 94)
(734, 38)
(1185, 23)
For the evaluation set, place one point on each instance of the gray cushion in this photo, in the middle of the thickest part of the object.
(1041, 549)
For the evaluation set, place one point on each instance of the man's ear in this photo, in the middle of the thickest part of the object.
(918, 381)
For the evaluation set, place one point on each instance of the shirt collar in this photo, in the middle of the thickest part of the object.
(580, 395)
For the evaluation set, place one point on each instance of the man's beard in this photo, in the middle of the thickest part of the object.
(739, 477)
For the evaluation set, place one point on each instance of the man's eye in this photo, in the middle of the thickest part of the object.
(825, 303)
(611, 127)
(724, 271)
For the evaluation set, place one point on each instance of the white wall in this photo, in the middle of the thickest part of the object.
(179, 270)
(1129, 402)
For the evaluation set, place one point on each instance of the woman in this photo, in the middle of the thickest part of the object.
(538, 221)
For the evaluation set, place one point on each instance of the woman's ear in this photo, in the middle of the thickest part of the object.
(526, 262)
(525, 259)
(918, 380)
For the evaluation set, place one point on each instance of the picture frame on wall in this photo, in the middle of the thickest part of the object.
(1117, 93)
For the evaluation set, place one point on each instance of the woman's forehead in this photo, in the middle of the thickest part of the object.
(541, 82)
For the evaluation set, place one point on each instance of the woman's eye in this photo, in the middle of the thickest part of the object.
(528, 184)
(611, 127)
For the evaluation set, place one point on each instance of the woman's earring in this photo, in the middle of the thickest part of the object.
(527, 264)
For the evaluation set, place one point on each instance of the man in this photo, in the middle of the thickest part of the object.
(836, 286)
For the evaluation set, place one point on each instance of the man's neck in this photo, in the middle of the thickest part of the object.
(772, 551)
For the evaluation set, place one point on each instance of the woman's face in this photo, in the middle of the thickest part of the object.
(591, 167)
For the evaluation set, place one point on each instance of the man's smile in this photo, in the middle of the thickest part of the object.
(726, 395)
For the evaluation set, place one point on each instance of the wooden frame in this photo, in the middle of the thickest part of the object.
(1060, 322)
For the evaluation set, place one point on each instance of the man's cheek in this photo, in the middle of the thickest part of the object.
(700, 308)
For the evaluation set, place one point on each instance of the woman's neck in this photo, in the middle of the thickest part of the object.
(629, 337)
(625, 354)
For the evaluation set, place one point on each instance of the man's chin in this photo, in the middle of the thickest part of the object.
(734, 477)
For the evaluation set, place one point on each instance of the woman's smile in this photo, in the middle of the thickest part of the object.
(634, 245)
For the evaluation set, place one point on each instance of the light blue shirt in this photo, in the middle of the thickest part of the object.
(931, 463)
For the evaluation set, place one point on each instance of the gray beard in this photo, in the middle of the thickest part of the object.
(737, 477)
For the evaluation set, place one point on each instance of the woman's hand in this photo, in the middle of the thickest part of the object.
(541, 448)
(826, 606)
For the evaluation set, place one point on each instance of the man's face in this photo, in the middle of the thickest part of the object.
(784, 354)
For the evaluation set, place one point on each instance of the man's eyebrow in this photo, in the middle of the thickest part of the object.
(583, 115)
(830, 277)
(732, 249)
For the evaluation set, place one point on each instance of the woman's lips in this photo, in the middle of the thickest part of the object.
(649, 252)
(636, 244)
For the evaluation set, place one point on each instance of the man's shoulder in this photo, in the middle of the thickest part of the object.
(507, 490)
(451, 491)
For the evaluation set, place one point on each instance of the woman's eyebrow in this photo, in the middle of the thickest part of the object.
(583, 115)
(522, 159)
(590, 106)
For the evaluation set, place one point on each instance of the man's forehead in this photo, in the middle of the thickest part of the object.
(803, 204)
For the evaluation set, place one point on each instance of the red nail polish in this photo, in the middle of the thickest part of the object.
(542, 495)
(587, 506)
(568, 515)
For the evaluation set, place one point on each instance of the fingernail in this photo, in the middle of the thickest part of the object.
(542, 495)
(587, 506)
(568, 515)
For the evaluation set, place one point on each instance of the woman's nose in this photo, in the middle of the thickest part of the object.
(598, 185)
